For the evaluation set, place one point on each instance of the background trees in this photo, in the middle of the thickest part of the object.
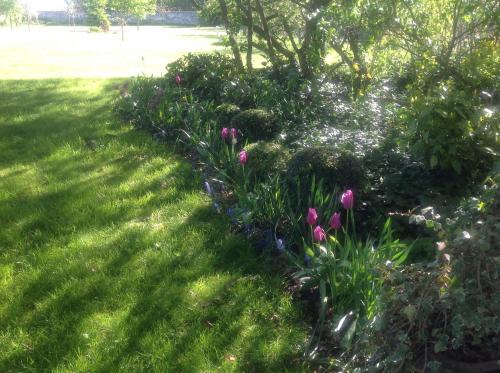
(100, 11)
(96, 11)
(12, 10)
(122, 9)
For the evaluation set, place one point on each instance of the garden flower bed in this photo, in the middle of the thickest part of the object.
(327, 213)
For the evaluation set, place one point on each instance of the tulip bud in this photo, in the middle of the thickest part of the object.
(234, 133)
(319, 234)
(335, 221)
(312, 216)
(178, 80)
(243, 157)
(347, 199)
(224, 133)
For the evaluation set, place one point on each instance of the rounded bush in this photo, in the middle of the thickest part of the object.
(225, 113)
(267, 158)
(256, 124)
(204, 74)
(336, 168)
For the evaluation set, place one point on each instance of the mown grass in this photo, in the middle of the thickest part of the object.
(67, 52)
(111, 259)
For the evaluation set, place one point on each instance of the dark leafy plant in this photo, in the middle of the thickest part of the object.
(225, 113)
(256, 124)
(267, 158)
(203, 74)
(337, 169)
(447, 310)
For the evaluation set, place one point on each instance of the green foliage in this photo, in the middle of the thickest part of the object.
(96, 11)
(448, 129)
(256, 124)
(204, 74)
(225, 113)
(266, 204)
(355, 30)
(349, 275)
(431, 123)
(451, 305)
(12, 10)
(267, 158)
(141, 8)
(335, 168)
(166, 5)
(138, 8)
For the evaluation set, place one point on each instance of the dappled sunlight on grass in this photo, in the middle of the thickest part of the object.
(110, 256)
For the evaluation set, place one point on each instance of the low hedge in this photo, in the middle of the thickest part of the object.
(336, 169)
(256, 124)
(225, 113)
(267, 158)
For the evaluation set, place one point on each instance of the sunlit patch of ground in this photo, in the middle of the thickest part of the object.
(62, 51)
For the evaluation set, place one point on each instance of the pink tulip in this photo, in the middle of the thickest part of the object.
(319, 234)
(234, 133)
(335, 221)
(312, 216)
(243, 157)
(224, 133)
(347, 199)
(178, 79)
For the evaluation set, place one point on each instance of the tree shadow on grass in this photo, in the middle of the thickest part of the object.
(117, 260)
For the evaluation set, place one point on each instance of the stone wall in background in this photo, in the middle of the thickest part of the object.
(188, 18)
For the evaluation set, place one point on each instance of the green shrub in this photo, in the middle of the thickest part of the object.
(225, 113)
(267, 158)
(336, 169)
(204, 74)
(448, 128)
(256, 124)
(449, 306)
(138, 98)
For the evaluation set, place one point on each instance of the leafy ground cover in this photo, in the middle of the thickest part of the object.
(111, 258)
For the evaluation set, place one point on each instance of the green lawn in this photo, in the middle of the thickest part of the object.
(61, 51)
(112, 259)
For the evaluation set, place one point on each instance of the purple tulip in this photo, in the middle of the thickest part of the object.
(319, 234)
(243, 157)
(224, 133)
(347, 199)
(312, 216)
(335, 221)
(234, 133)
(178, 80)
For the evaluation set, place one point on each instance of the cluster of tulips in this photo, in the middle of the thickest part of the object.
(232, 133)
(318, 232)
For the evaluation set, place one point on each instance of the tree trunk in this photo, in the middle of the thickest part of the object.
(10, 20)
(123, 36)
(267, 35)
(230, 34)
(249, 36)
(138, 21)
